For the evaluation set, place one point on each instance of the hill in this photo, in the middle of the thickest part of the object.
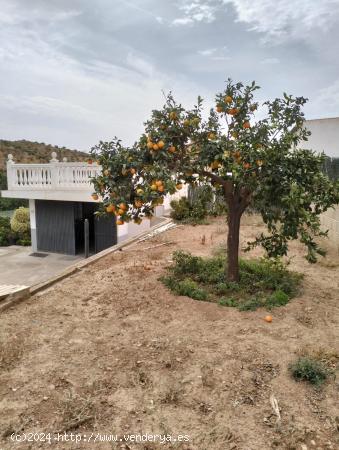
(35, 152)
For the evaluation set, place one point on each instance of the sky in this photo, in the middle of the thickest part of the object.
(73, 72)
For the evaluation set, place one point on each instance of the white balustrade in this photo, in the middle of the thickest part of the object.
(52, 176)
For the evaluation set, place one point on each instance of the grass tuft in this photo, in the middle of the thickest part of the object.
(309, 369)
(263, 282)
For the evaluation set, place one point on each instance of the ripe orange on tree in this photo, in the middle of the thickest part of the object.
(150, 145)
(171, 149)
(228, 99)
(155, 147)
(247, 124)
(161, 144)
(110, 208)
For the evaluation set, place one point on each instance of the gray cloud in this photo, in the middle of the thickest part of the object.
(74, 72)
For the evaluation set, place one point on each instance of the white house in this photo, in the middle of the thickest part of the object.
(59, 195)
(325, 138)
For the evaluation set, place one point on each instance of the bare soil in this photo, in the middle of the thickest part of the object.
(111, 350)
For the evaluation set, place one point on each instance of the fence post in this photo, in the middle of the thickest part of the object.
(54, 170)
(10, 174)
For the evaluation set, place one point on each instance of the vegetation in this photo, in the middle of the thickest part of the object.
(7, 204)
(262, 283)
(250, 162)
(7, 237)
(35, 152)
(201, 203)
(15, 230)
(20, 224)
(309, 369)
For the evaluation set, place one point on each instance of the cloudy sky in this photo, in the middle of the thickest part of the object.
(73, 72)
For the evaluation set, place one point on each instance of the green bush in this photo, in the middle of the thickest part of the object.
(20, 221)
(6, 234)
(186, 287)
(201, 202)
(309, 369)
(263, 283)
(20, 224)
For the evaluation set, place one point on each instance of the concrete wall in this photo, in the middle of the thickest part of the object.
(330, 222)
(324, 137)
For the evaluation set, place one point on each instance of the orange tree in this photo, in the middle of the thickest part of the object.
(250, 162)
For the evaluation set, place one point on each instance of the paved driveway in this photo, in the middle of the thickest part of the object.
(18, 267)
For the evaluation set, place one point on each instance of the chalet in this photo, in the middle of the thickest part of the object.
(59, 195)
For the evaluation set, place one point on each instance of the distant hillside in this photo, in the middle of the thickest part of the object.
(35, 152)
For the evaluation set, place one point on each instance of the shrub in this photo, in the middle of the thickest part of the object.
(263, 283)
(186, 287)
(20, 221)
(6, 234)
(309, 369)
(201, 202)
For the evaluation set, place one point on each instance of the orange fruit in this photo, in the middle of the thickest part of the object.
(161, 144)
(140, 191)
(247, 124)
(121, 212)
(110, 208)
(155, 147)
(233, 111)
(219, 109)
(150, 145)
(178, 186)
(120, 222)
(154, 187)
(173, 115)
(95, 196)
(138, 203)
(158, 183)
(123, 206)
(228, 99)
(161, 188)
(268, 319)
(172, 149)
(247, 166)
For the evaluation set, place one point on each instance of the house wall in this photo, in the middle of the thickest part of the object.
(330, 222)
(324, 137)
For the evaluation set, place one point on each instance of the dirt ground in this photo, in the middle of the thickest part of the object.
(111, 351)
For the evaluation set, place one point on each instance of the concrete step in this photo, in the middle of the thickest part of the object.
(8, 289)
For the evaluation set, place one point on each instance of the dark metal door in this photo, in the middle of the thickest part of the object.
(105, 232)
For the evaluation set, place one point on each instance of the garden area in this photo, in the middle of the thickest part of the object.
(112, 349)
(222, 329)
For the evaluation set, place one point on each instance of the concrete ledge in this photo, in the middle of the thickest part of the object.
(13, 299)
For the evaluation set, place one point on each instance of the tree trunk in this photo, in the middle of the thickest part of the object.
(234, 217)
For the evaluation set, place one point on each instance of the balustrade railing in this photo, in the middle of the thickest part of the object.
(54, 175)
